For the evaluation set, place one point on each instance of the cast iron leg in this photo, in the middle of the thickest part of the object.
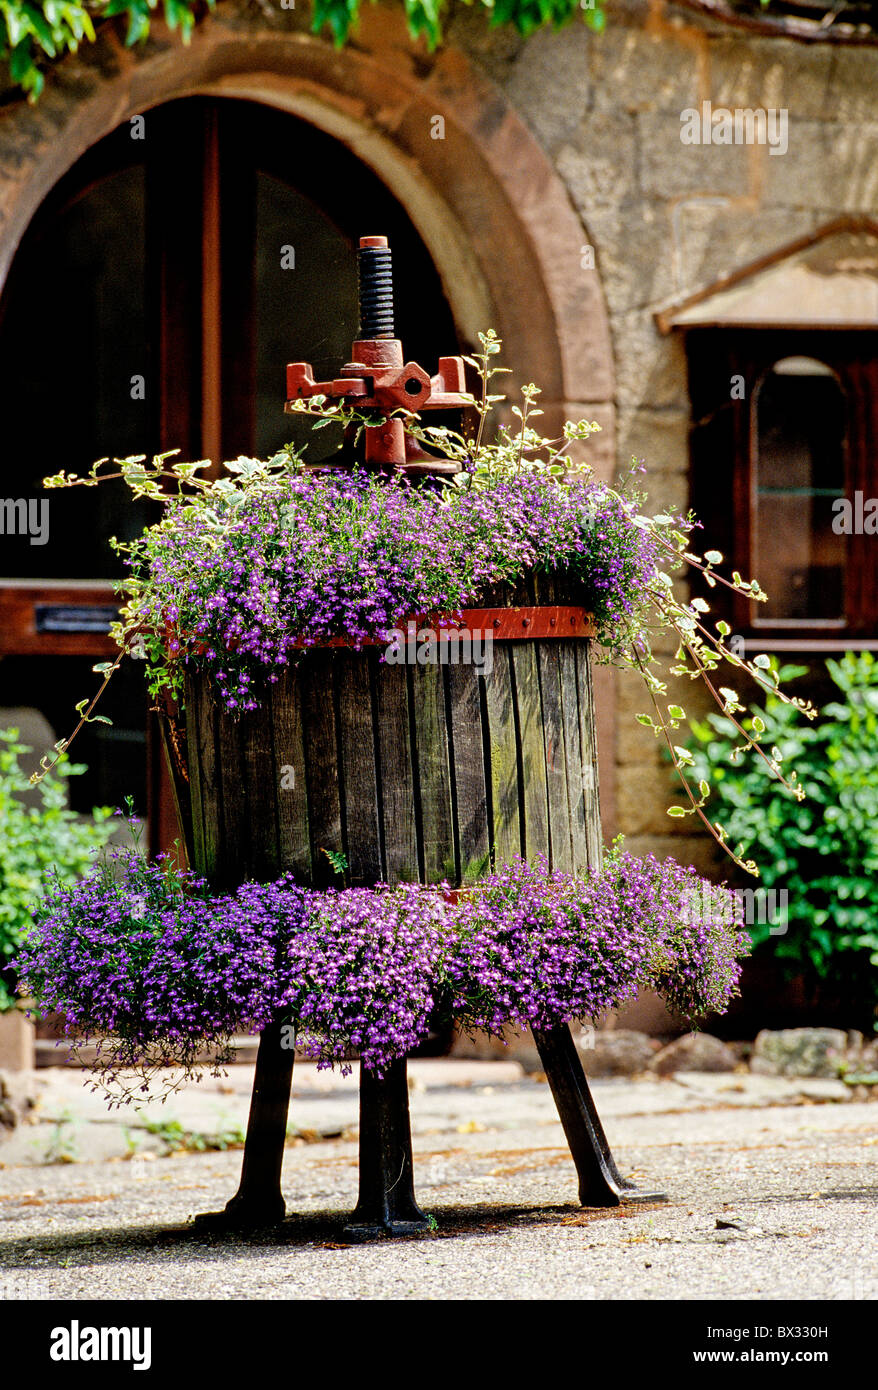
(600, 1182)
(258, 1201)
(386, 1204)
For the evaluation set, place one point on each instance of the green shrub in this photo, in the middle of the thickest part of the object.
(823, 850)
(36, 835)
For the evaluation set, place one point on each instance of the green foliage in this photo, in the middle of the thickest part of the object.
(31, 33)
(62, 1146)
(823, 850)
(337, 860)
(35, 837)
(177, 1139)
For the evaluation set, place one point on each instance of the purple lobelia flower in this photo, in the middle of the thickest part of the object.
(314, 555)
(145, 960)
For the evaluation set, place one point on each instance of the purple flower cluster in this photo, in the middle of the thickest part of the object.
(537, 948)
(316, 555)
(147, 960)
(696, 927)
(364, 973)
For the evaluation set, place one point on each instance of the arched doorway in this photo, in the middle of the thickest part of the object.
(153, 303)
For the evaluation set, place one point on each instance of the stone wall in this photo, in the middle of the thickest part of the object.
(666, 219)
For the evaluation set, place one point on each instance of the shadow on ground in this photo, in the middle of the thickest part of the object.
(323, 1230)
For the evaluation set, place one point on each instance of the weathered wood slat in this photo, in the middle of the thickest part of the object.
(260, 786)
(293, 823)
(202, 735)
(473, 850)
(395, 775)
(505, 833)
(234, 863)
(173, 740)
(430, 758)
(556, 757)
(535, 796)
(321, 763)
(589, 752)
(573, 755)
(357, 767)
(193, 695)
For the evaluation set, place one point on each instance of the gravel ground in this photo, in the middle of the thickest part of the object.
(771, 1191)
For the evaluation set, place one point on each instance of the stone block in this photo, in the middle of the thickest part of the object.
(666, 168)
(18, 1095)
(650, 370)
(636, 744)
(512, 1047)
(865, 1058)
(549, 65)
(660, 438)
(643, 795)
(599, 166)
(637, 71)
(665, 491)
(694, 1052)
(715, 241)
(620, 1052)
(850, 94)
(746, 71)
(495, 50)
(632, 241)
(648, 1014)
(17, 1033)
(830, 167)
(799, 1052)
(699, 850)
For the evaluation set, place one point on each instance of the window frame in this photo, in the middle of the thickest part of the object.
(715, 356)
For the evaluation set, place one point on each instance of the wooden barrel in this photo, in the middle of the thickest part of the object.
(412, 772)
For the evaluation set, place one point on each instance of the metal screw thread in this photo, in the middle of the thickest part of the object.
(375, 277)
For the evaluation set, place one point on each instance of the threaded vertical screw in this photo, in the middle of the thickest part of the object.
(375, 280)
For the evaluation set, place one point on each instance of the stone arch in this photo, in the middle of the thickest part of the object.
(485, 198)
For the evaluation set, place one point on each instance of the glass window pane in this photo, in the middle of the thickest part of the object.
(306, 309)
(800, 471)
(77, 382)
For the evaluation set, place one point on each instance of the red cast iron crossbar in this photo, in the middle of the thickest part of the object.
(503, 624)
